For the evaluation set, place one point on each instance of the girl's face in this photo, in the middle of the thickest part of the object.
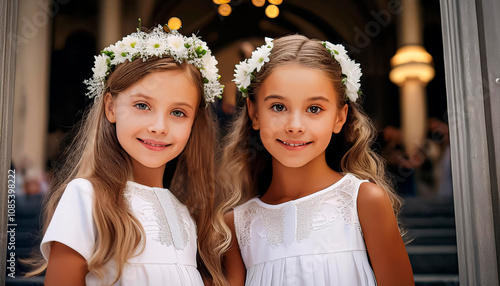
(154, 117)
(296, 112)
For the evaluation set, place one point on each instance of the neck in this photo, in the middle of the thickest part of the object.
(152, 177)
(290, 183)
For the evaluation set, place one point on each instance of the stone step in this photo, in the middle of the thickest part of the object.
(431, 236)
(436, 259)
(22, 281)
(436, 279)
(428, 222)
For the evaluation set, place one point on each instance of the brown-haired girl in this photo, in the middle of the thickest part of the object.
(313, 204)
(109, 218)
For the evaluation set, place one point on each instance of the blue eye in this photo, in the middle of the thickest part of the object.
(178, 113)
(142, 106)
(314, 109)
(278, 107)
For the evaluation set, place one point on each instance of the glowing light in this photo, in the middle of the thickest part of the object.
(174, 23)
(275, 2)
(411, 62)
(224, 10)
(272, 11)
(259, 3)
(219, 2)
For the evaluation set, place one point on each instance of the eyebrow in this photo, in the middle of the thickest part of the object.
(274, 96)
(314, 98)
(183, 104)
(142, 95)
(279, 97)
(151, 98)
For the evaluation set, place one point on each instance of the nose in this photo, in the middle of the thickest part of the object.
(158, 125)
(295, 123)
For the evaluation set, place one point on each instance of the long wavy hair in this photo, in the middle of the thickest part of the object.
(96, 155)
(245, 165)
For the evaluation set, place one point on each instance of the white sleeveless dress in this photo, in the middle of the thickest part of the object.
(169, 256)
(313, 240)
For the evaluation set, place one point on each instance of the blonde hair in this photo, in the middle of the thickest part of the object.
(245, 166)
(96, 155)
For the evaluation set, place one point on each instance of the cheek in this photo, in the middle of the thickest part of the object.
(270, 123)
(181, 131)
(122, 113)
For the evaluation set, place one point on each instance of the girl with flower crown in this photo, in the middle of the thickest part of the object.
(109, 218)
(307, 199)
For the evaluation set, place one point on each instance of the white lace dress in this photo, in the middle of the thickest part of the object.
(314, 240)
(169, 257)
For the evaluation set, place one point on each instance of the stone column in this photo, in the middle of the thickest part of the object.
(412, 70)
(32, 83)
(110, 22)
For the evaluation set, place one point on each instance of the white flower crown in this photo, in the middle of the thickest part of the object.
(157, 43)
(247, 70)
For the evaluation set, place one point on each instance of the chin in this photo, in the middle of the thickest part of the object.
(292, 163)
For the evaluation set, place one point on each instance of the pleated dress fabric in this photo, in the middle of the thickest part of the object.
(314, 240)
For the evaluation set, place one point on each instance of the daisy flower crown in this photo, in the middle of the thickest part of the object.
(246, 71)
(157, 43)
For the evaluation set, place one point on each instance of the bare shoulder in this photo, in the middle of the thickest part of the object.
(229, 220)
(374, 205)
(372, 196)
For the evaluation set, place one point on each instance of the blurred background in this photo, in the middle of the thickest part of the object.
(397, 42)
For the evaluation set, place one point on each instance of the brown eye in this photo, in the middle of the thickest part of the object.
(314, 109)
(278, 107)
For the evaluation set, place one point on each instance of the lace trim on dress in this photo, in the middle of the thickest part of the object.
(342, 197)
(168, 213)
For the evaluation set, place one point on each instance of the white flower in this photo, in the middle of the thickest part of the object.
(244, 70)
(210, 67)
(175, 43)
(352, 71)
(157, 43)
(259, 57)
(131, 44)
(155, 47)
(337, 50)
(100, 66)
(120, 55)
(242, 75)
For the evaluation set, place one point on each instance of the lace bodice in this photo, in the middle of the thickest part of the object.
(167, 215)
(302, 214)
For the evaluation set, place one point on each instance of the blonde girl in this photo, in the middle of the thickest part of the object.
(110, 218)
(313, 205)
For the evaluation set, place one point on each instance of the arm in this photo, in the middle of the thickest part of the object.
(233, 263)
(383, 241)
(66, 266)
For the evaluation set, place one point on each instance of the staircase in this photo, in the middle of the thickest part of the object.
(433, 248)
(27, 238)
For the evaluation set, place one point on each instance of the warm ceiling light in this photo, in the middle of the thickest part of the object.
(219, 2)
(174, 23)
(411, 62)
(411, 53)
(259, 3)
(272, 11)
(275, 2)
(224, 10)
(423, 72)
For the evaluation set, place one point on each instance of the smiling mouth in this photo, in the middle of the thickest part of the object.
(154, 145)
(294, 145)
